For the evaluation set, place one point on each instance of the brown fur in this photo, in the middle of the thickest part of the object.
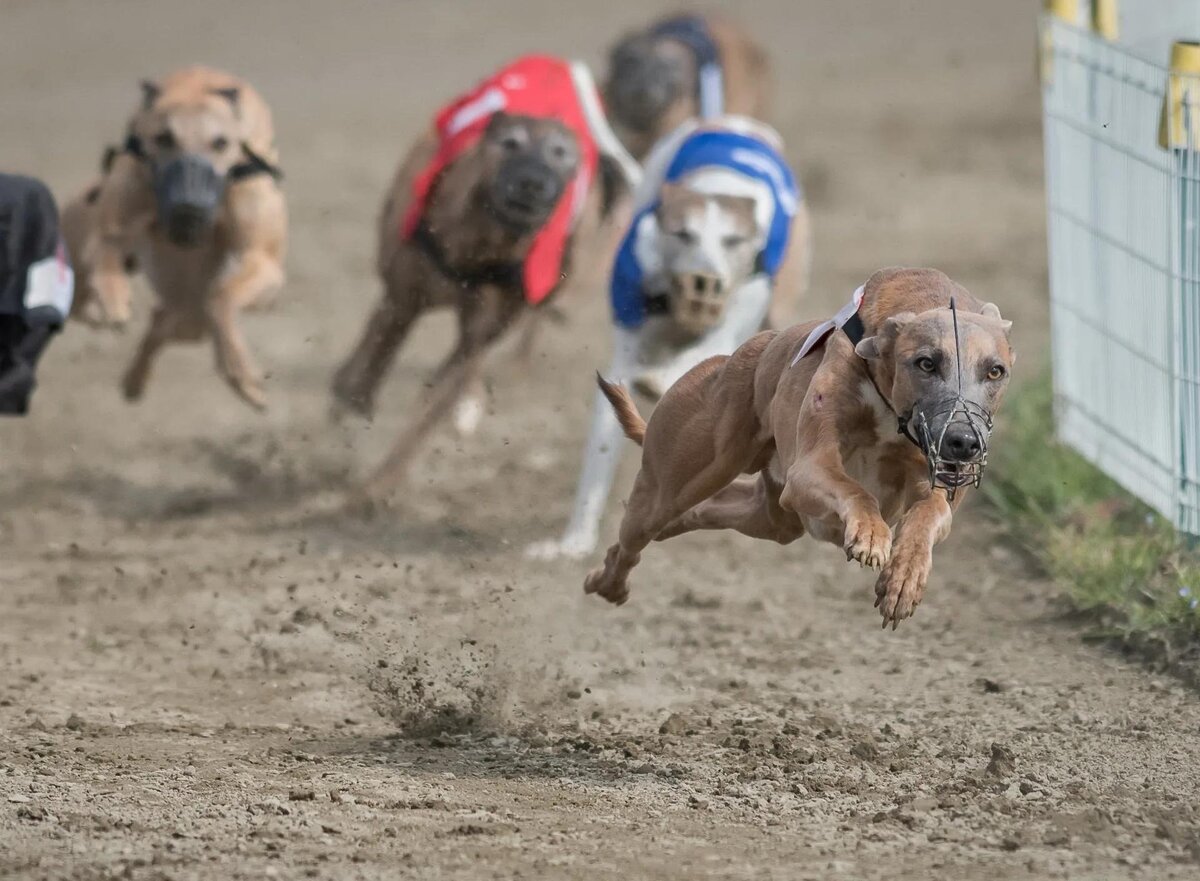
(827, 460)
(746, 74)
(200, 290)
(412, 284)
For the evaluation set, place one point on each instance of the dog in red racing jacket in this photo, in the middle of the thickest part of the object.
(485, 216)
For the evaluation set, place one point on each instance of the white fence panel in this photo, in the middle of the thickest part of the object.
(1124, 269)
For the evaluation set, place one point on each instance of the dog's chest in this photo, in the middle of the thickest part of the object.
(876, 455)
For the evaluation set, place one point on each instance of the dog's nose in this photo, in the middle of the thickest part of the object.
(961, 443)
(538, 187)
(649, 94)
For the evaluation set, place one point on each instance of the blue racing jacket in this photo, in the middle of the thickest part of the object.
(742, 153)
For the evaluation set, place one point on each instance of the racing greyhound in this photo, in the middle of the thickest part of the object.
(849, 431)
(719, 224)
(192, 196)
(681, 67)
(490, 211)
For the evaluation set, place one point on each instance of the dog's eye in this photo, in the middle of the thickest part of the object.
(511, 144)
(997, 372)
(685, 235)
(164, 140)
(219, 143)
(733, 241)
(926, 364)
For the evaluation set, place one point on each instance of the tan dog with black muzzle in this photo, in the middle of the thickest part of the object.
(846, 438)
(193, 198)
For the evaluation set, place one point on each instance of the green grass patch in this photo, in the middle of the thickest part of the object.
(1122, 567)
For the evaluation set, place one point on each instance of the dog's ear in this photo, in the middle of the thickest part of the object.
(868, 349)
(150, 93)
(233, 94)
(499, 119)
(991, 310)
(872, 347)
(895, 323)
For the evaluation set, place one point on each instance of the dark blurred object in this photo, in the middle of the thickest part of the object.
(36, 285)
(681, 67)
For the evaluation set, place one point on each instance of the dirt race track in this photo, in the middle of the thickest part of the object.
(209, 672)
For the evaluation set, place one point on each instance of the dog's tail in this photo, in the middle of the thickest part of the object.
(631, 420)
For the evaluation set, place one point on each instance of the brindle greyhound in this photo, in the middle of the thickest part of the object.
(192, 196)
(880, 424)
(479, 223)
(681, 67)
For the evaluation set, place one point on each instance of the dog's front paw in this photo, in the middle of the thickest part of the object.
(571, 547)
(250, 390)
(868, 540)
(901, 586)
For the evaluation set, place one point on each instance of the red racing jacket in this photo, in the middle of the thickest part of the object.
(533, 85)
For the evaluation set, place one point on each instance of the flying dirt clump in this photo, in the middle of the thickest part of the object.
(504, 667)
(446, 692)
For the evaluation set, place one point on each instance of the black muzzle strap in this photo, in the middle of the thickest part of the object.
(251, 166)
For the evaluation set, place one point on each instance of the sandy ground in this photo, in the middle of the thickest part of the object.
(210, 673)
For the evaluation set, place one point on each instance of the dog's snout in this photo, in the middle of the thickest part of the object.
(961, 443)
(699, 300)
(699, 284)
(649, 93)
(536, 184)
(189, 191)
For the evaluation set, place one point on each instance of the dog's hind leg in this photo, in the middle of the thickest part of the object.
(653, 504)
(749, 505)
(165, 326)
(483, 319)
(697, 442)
(598, 470)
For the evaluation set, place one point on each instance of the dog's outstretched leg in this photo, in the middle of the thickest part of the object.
(488, 314)
(683, 463)
(257, 272)
(257, 230)
(597, 471)
(818, 487)
(165, 326)
(359, 377)
(901, 584)
(749, 505)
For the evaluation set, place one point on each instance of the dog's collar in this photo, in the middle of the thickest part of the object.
(253, 165)
(903, 421)
(506, 274)
(850, 322)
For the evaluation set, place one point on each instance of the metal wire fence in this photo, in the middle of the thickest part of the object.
(1124, 240)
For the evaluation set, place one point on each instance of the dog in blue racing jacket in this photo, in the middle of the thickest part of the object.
(719, 226)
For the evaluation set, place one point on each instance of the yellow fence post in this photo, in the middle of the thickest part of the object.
(1179, 125)
(1064, 10)
(1179, 132)
(1104, 19)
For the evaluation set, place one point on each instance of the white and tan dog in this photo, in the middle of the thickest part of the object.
(719, 223)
